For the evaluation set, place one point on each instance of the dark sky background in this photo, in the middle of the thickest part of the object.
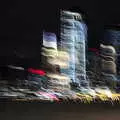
(22, 23)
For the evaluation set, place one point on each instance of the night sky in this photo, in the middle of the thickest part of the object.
(22, 23)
